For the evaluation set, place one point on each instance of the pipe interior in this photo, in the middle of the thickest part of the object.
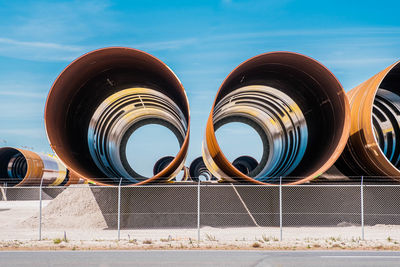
(386, 116)
(312, 87)
(85, 84)
(13, 165)
(278, 121)
(198, 171)
(118, 117)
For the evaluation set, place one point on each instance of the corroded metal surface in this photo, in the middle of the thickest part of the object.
(100, 99)
(22, 167)
(298, 108)
(373, 147)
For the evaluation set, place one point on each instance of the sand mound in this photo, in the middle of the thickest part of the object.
(75, 207)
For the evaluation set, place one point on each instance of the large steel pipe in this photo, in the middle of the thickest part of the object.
(373, 148)
(19, 167)
(100, 99)
(198, 171)
(298, 108)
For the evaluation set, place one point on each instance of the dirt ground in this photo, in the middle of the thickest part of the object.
(19, 229)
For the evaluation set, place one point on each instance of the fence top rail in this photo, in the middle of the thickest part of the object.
(207, 185)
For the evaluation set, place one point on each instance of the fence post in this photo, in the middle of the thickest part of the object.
(198, 213)
(40, 209)
(280, 208)
(119, 210)
(362, 207)
(3, 190)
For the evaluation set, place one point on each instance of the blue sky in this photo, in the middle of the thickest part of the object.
(201, 42)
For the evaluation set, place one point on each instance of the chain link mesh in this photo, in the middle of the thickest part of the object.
(227, 212)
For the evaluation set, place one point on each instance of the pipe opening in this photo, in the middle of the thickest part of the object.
(13, 166)
(301, 111)
(279, 122)
(17, 166)
(245, 164)
(238, 136)
(106, 91)
(199, 172)
(118, 117)
(386, 116)
(161, 164)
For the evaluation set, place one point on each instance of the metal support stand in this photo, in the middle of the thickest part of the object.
(119, 209)
(40, 209)
(362, 207)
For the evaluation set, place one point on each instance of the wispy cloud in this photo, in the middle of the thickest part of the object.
(166, 45)
(42, 45)
(51, 51)
(23, 94)
(313, 32)
(346, 62)
(377, 32)
(41, 51)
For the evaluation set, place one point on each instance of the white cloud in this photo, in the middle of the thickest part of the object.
(40, 51)
(23, 94)
(347, 62)
(166, 45)
(6, 41)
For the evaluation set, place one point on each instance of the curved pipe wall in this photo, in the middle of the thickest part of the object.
(373, 148)
(21, 167)
(298, 108)
(100, 99)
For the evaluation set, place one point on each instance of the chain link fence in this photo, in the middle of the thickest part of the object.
(200, 212)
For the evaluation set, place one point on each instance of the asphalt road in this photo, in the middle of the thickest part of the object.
(199, 258)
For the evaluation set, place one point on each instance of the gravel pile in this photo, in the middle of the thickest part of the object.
(74, 208)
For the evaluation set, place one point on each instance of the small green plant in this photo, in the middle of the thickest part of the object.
(133, 240)
(256, 245)
(57, 240)
(354, 239)
(147, 242)
(73, 248)
(210, 237)
(389, 239)
(168, 239)
(334, 239)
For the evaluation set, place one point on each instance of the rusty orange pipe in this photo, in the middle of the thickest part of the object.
(97, 102)
(21, 167)
(374, 104)
(283, 96)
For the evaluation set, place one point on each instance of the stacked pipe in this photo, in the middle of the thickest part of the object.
(373, 148)
(100, 99)
(295, 104)
(298, 108)
(21, 167)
